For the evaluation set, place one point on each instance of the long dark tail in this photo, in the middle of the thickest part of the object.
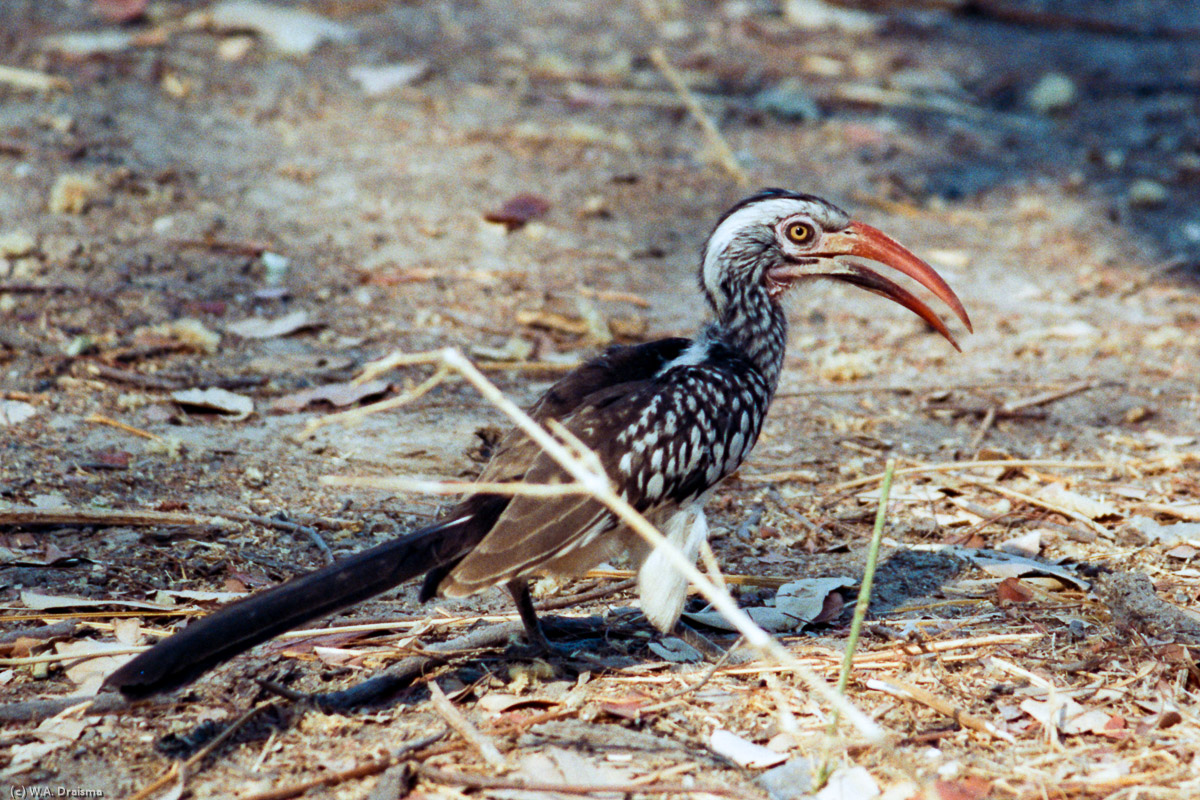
(237, 627)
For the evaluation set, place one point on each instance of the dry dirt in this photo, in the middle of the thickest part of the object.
(201, 156)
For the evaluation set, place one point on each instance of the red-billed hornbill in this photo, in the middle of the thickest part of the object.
(668, 419)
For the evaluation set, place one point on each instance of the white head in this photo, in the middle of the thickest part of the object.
(776, 238)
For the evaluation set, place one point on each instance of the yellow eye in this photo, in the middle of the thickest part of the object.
(799, 232)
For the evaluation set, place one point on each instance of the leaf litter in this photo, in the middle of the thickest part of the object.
(1093, 684)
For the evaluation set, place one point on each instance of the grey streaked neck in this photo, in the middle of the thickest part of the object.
(755, 326)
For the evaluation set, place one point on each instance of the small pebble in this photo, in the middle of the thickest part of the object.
(72, 193)
(787, 100)
(1053, 92)
(15, 244)
(1145, 193)
(788, 781)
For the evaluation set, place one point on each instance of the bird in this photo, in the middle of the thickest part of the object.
(668, 420)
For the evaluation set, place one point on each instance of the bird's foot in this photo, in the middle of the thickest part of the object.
(570, 639)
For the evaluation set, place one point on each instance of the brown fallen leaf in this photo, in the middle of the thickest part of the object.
(1011, 590)
(970, 788)
(119, 10)
(178, 334)
(502, 702)
(216, 399)
(261, 328)
(628, 707)
(518, 210)
(336, 394)
(89, 663)
(551, 320)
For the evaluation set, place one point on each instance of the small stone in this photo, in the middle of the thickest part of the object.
(17, 243)
(276, 266)
(254, 476)
(787, 100)
(234, 48)
(60, 250)
(818, 15)
(1145, 193)
(72, 193)
(788, 781)
(1137, 414)
(595, 205)
(1053, 92)
(25, 268)
(377, 79)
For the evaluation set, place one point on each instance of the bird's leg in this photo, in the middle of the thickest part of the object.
(519, 589)
(535, 633)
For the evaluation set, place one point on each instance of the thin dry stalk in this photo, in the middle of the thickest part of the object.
(908, 691)
(721, 149)
(356, 415)
(433, 486)
(365, 770)
(100, 419)
(952, 466)
(485, 782)
(1082, 519)
(180, 769)
(33, 80)
(470, 734)
(66, 515)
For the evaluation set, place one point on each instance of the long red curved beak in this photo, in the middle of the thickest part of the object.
(864, 241)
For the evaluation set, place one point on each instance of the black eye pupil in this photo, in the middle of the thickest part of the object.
(798, 232)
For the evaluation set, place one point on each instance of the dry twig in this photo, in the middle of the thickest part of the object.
(721, 149)
(470, 734)
(908, 691)
(179, 769)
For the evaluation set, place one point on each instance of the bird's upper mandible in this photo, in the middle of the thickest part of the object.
(768, 242)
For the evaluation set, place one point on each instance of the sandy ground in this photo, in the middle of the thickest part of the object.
(199, 174)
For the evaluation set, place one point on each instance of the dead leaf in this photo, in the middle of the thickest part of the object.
(1066, 715)
(216, 399)
(969, 788)
(262, 328)
(502, 702)
(24, 757)
(179, 334)
(113, 458)
(807, 601)
(743, 752)
(629, 707)
(43, 602)
(1089, 507)
(202, 596)
(1184, 551)
(128, 631)
(14, 412)
(797, 604)
(291, 31)
(849, 783)
(377, 79)
(560, 766)
(1028, 545)
(119, 10)
(518, 210)
(89, 673)
(335, 656)
(1011, 590)
(336, 394)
